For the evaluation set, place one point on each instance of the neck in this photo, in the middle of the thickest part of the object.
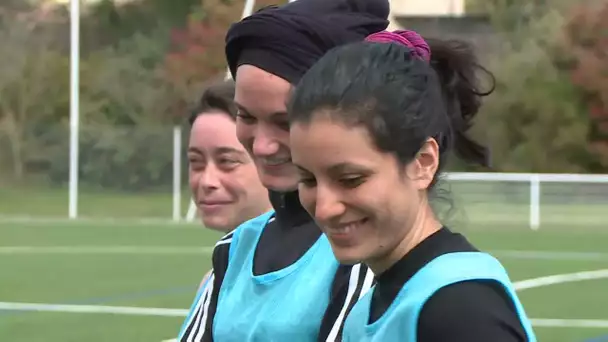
(288, 209)
(424, 225)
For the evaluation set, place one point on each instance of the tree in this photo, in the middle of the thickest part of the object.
(195, 59)
(126, 137)
(197, 51)
(585, 56)
(535, 121)
(107, 22)
(33, 87)
(124, 84)
(515, 15)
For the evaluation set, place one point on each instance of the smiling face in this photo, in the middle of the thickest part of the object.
(262, 125)
(223, 180)
(363, 199)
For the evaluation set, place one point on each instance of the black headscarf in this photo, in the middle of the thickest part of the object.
(287, 40)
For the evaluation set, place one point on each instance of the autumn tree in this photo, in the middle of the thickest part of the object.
(197, 51)
(585, 51)
(107, 22)
(126, 123)
(535, 120)
(33, 88)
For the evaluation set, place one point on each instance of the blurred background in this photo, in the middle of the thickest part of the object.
(124, 263)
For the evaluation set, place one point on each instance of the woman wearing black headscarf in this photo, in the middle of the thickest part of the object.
(275, 278)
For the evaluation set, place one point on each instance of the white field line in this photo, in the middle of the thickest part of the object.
(125, 310)
(520, 285)
(549, 255)
(118, 310)
(560, 279)
(96, 220)
(514, 254)
(103, 250)
(569, 323)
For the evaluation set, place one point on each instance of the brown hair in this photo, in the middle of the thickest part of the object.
(218, 96)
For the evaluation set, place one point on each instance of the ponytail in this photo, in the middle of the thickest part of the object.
(456, 66)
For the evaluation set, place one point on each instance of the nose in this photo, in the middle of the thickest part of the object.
(265, 143)
(209, 179)
(328, 205)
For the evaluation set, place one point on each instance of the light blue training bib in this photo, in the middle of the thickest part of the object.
(400, 322)
(283, 306)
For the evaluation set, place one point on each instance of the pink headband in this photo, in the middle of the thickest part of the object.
(411, 39)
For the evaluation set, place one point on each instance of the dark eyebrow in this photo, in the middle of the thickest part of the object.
(219, 150)
(341, 168)
(195, 150)
(301, 168)
(337, 168)
(241, 107)
(303, 172)
(228, 150)
(274, 116)
(278, 116)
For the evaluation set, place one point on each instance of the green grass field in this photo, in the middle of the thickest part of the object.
(125, 263)
(53, 202)
(160, 266)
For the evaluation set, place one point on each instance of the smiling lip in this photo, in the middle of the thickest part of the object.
(273, 165)
(343, 234)
(211, 206)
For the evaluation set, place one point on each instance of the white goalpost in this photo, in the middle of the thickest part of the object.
(74, 106)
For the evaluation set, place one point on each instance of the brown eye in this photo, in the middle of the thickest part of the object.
(245, 118)
(228, 164)
(352, 182)
(196, 164)
(283, 125)
(308, 182)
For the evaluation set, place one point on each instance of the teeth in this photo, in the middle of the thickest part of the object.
(348, 228)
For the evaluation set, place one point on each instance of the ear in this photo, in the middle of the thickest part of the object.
(421, 170)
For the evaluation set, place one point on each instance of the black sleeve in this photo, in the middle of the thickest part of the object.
(470, 311)
(348, 285)
(220, 265)
(200, 327)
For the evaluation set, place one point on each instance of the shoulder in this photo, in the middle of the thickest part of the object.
(205, 278)
(222, 246)
(350, 284)
(470, 311)
(254, 225)
(257, 223)
(226, 246)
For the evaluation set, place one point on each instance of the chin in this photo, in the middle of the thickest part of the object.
(348, 260)
(218, 224)
(346, 257)
(279, 183)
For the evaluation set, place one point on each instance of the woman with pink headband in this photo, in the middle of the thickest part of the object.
(371, 126)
